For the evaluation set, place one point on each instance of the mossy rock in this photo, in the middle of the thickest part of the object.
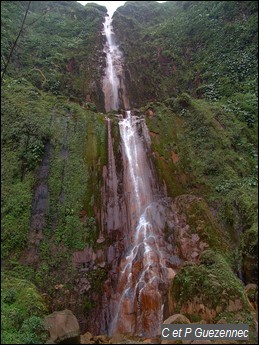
(23, 295)
(202, 221)
(207, 289)
(22, 311)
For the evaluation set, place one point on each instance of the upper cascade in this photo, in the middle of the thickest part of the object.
(113, 81)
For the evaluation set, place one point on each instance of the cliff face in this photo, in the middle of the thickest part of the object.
(190, 71)
(60, 48)
(195, 63)
(53, 152)
(191, 67)
(205, 49)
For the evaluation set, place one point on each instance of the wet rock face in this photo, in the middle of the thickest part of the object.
(140, 259)
(133, 218)
(196, 228)
(39, 210)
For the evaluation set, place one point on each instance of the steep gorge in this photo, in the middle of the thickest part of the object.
(134, 217)
(149, 209)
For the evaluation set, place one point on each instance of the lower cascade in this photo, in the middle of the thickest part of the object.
(142, 272)
(134, 293)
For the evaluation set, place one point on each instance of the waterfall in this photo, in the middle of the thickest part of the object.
(113, 81)
(136, 300)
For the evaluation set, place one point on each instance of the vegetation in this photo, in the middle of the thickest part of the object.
(193, 65)
(207, 49)
(191, 70)
(60, 49)
(212, 282)
(53, 151)
(22, 309)
(76, 137)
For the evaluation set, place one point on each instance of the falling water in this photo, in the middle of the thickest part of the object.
(137, 300)
(113, 85)
(143, 275)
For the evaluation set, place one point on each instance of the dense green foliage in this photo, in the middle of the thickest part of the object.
(22, 309)
(76, 140)
(60, 49)
(207, 49)
(212, 282)
(73, 133)
(53, 151)
(195, 63)
(191, 69)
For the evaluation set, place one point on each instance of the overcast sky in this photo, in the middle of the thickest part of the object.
(110, 5)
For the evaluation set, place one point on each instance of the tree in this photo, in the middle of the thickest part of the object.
(6, 63)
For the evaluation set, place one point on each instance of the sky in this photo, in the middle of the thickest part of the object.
(110, 5)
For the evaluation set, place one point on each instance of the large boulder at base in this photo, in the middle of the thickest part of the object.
(63, 327)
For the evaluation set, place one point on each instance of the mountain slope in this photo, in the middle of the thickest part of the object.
(52, 137)
(207, 49)
(195, 63)
(191, 71)
(60, 49)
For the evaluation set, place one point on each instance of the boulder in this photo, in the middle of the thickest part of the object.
(63, 326)
(87, 338)
(155, 340)
(177, 319)
(203, 322)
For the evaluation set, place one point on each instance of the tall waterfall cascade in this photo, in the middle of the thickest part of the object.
(113, 83)
(134, 303)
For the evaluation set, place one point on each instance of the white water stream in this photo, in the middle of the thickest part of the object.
(113, 85)
(138, 302)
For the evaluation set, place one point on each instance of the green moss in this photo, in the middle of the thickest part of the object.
(96, 157)
(96, 279)
(22, 311)
(88, 304)
(212, 281)
(201, 221)
(77, 138)
(242, 317)
(29, 131)
(165, 128)
(64, 61)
